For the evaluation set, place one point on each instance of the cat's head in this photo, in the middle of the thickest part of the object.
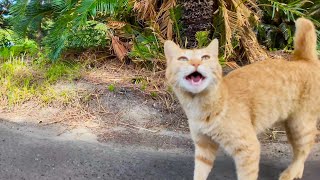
(193, 70)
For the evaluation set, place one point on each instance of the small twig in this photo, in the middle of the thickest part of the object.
(274, 132)
(53, 122)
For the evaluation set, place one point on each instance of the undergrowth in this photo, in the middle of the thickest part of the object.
(22, 80)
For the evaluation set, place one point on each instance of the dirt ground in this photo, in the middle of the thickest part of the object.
(138, 110)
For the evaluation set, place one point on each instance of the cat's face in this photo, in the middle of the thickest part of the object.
(192, 70)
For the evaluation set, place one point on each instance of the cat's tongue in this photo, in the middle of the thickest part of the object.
(196, 80)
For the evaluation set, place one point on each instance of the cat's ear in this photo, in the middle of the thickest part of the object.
(170, 49)
(213, 47)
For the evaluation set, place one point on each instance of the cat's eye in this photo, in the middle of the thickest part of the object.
(183, 58)
(205, 57)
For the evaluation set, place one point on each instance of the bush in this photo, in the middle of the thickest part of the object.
(89, 36)
(10, 46)
(276, 30)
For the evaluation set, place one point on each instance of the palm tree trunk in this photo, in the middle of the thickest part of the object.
(197, 15)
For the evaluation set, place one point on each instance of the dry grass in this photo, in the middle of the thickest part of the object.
(236, 16)
(92, 86)
(134, 77)
(69, 102)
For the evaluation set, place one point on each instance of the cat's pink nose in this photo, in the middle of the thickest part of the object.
(195, 65)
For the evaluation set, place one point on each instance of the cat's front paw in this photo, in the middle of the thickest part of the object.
(288, 175)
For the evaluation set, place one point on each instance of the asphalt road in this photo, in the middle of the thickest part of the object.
(30, 152)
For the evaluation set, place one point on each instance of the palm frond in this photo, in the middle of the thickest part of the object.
(237, 27)
(158, 18)
(229, 22)
(19, 8)
(145, 9)
(164, 20)
(68, 16)
(290, 9)
(28, 15)
(315, 9)
(287, 33)
(175, 16)
(318, 45)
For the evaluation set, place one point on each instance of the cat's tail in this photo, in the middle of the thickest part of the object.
(305, 41)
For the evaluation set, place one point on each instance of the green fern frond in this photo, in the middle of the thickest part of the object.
(290, 9)
(318, 45)
(19, 8)
(271, 35)
(28, 15)
(68, 16)
(286, 32)
(314, 9)
(77, 17)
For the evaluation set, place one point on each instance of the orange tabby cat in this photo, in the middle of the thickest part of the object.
(230, 111)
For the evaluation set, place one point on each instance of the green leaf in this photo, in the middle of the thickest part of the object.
(202, 38)
(68, 16)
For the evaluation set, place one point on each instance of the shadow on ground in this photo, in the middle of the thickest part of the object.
(31, 152)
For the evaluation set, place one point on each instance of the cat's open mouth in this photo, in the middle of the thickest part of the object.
(195, 78)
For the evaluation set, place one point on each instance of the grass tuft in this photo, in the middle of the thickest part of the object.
(62, 70)
(22, 80)
(111, 88)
